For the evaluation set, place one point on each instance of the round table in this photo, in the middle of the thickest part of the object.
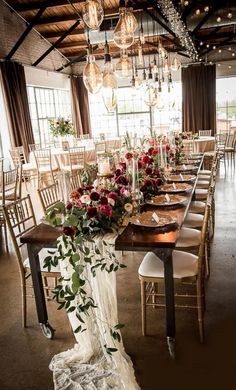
(201, 144)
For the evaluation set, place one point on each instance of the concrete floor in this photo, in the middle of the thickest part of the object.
(25, 354)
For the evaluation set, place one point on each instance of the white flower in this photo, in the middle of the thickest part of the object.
(85, 199)
(111, 201)
(127, 194)
(96, 183)
(128, 207)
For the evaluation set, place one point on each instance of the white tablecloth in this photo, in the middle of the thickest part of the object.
(200, 145)
(87, 366)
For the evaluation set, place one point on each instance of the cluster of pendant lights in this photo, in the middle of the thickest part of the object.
(106, 81)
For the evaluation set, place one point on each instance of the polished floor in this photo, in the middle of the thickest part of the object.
(25, 354)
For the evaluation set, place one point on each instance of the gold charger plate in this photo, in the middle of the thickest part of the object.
(177, 178)
(146, 219)
(183, 168)
(178, 187)
(160, 200)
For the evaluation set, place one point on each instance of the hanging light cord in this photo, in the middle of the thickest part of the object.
(72, 5)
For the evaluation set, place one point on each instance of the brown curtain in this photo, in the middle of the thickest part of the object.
(80, 106)
(199, 98)
(15, 93)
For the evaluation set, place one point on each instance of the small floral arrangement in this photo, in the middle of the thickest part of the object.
(60, 127)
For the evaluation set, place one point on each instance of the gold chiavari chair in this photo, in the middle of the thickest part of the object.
(33, 147)
(100, 149)
(45, 169)
(9, 184)
(28, 170)
(205, 133)
(188, 270)
(230, 146)
(74, 182)
(76, 159)
(20, 218)
(49, 196)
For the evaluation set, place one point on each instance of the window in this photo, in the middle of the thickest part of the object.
(133, 115)
(226, 104)
(46, 103)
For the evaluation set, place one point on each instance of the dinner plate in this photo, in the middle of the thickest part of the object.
(146, 219)
(178, 187)
(180, 178)
(182, 168)
(160, 200)
(190, 161)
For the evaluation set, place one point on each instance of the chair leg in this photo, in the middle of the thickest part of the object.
(200, 311)
(154, 291)
(5, 234)
(23, 297)
(143, 306)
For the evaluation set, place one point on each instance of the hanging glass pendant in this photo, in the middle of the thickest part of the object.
(92, 75)
(175, 64)
(124, 67)
(162, 51)
(110, 85)
(123, 33)
(150, 97)
(93, 14)
(132, 23)
(166, 67)
(140, 53)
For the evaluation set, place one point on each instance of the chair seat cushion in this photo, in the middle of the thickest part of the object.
(28, 167)
(202, 184)
(204, 177)
(205, 172)
(42, 255)
(188, 238)
(47, 169)
(193, 220)
(73, 168)
(197, 207)
(184, 265)
(201, 193)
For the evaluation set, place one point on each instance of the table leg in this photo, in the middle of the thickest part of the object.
(39, 291)
(166, 257)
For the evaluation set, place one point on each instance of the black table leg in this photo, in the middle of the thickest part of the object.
(41, 307)
(166, 257)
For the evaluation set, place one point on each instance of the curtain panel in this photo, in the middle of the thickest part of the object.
(80, 106)
(15, 94)
(199, 98)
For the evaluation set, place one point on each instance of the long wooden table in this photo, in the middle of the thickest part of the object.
(162, 242)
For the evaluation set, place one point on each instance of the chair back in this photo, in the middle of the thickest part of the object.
(205, 133)
(231, 141)
(8, 185)
(85, 136)
(221, 141)
(49, 196)
(20, 218)
(43, 158)
(33, 147)
(77, 156)
(76, 141)
(204, 234)
(74, 181)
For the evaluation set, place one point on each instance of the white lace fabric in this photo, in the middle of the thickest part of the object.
(87, 366)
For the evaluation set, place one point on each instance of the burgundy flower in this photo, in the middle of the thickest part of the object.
(122, 165)
(69, 206)
(69, 231)
(148, 183)
(148, 171)
(89, 187)
(146, 159)
(167, 147)
(143, 188)
(151, 160)
(157, 172)
(92, 212)
(154, 152)
(106, 210)
(94, 196)
(122, 180)
(80, 190)
(128, 155)
(113, 195)
(140, 164)
(158, 182)
(150, 150)
(103, 200)
(118, 172)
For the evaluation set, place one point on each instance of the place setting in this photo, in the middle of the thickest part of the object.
(166, 200)
(175, 187)
(152, 219)
(181, 178)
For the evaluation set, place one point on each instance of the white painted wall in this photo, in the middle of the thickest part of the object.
(44, 78)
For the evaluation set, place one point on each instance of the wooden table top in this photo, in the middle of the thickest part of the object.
(41, 234)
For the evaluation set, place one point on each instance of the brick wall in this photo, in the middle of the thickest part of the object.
(11, 28)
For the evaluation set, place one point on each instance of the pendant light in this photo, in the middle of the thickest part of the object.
(123, 33)
(175, 64)
(93, 14)
(140, 53)
(131, 19)
(109, 90)
(92, 75)
(124, 67)
(161, 50)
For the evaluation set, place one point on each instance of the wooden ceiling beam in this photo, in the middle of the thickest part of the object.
(207, 16)
(57, 34)
(228, 41)
(34, 5)
(80, 56)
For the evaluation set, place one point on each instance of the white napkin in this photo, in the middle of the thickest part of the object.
(181, 177)
(167, 198)
(174, 186)
(155, 217)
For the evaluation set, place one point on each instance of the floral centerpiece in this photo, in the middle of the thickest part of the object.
(61, 127)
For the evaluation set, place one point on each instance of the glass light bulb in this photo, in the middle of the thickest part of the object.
(131, 20)
(92, 75)
(150, 97)
(141, 35)
(109, 90)
(138, 82)
(123, 34)
(162, 51)
(175, 64)
(93, 14)
(124, 67)
(140, 54)
(166, 67)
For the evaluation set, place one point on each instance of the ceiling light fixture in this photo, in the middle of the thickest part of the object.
(218, 19)
(92, 75)
(109, 84)
(229, 15)
(93, 14)
(206, 9)
(125, 28)
(198, 11)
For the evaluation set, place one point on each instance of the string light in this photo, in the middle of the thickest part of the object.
(218, 19)
(206, 9)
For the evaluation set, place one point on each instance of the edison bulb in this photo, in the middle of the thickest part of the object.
(110, 85)
(93, 14)
(92, 75)
(123, 34)
(150, 97)
(124, 67)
